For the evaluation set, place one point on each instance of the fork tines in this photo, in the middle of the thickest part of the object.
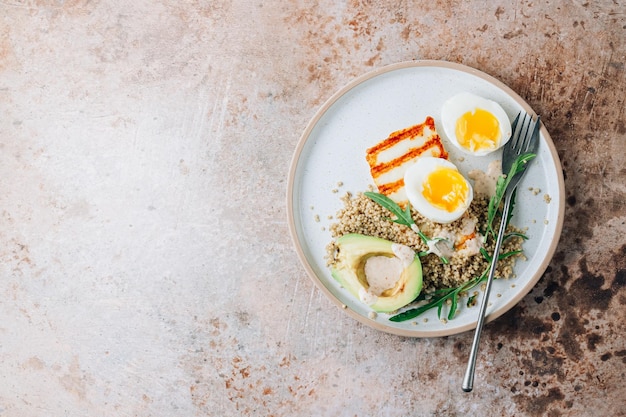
(522, 141)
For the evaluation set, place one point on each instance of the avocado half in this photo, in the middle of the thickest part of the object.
(349, 270)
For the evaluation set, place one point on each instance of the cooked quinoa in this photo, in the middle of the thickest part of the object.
(364, 216)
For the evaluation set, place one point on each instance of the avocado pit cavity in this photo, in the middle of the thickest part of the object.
(382, 272)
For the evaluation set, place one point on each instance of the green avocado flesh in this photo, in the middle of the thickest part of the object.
(349, 270)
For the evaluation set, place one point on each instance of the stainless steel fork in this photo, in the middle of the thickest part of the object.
(524, 139)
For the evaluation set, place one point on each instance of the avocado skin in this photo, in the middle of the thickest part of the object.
(354, 250)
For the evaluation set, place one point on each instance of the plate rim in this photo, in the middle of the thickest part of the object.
(323, 109)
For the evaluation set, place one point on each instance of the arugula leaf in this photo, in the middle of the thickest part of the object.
(500, 256)
(509, 215)
(403, 217)
(471, 301)
(453, 305)
(409, 314)
(515, 234)
(501, 185)
(438, 300)
(509, 254)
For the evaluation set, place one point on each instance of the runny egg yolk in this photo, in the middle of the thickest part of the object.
(446, 189)
(478, 130)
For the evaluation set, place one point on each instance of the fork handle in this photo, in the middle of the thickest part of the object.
(468, 379)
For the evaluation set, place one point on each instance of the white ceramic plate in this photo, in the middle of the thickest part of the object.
(332, 151)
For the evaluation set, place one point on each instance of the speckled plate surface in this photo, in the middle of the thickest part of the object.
(330, 161)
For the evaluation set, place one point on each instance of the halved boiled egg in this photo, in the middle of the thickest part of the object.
(437, 190)
(475, 125)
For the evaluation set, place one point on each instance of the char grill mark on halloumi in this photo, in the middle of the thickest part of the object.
(390, 158)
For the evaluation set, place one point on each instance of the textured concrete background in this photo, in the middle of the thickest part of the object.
(146, 266)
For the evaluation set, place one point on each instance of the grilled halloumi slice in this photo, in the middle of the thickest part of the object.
(390, 158)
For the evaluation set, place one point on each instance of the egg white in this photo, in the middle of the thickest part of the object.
(458, 105)
(413, 183)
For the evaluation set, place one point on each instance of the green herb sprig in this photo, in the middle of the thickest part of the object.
(501, 185)
(404, 218)
(438, 299)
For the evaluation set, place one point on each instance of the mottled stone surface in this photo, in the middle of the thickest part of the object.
(146, 266)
